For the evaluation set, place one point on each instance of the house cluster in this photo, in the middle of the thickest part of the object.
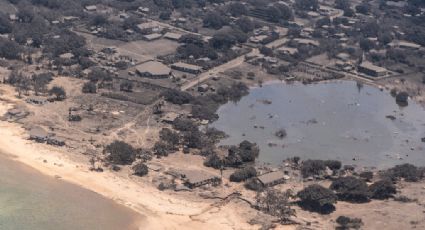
(264, 35)
(158, 70)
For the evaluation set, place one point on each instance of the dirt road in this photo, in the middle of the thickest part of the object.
(214, 71)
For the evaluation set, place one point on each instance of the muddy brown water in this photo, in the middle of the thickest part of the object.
(332, 120)
(32, 201)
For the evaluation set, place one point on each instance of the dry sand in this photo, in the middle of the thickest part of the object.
(160, 210)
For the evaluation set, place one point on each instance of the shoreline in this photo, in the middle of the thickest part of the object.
(158, 210)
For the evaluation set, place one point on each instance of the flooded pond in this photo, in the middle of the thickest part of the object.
(31, 201)
(334, 120)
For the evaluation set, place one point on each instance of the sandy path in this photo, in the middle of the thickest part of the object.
(161, 210)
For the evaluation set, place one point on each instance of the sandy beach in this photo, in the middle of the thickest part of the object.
(160, 210)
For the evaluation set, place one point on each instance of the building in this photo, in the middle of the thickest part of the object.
(153, 69)
(151, 37)
(38, 134)
(259, 39)
(405, 45)
(91, 8)
(172, 36)
(284, 50)
(144, 10)
(272, 178)
(184, 67)
(203, 88)
(150, 27)
(196, 178)
(170, 117)
(307, 42)
(67, 56)
(372, 70)
(13, 17)
(69, 18)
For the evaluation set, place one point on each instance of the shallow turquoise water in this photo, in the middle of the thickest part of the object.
(31, 201)
(334, 120)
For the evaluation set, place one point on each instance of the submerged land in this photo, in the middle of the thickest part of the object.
(220, 114)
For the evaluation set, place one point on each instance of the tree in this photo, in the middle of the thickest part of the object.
(89, 87)
(342, 4)
(312, 168)
(385, 37)
(99, 20)
(351, 189)
(237, 9)
(170, 137)
(317, 198)
(366, 175)
(363, 8)
(9, 49)
(253, 184)
(275, 203)
(349, 12)
(58, 92)
(307, 5)
(25, 12)
(165, 15)
(266, 51)
(177, 97)
(243, 174)
(5, 25)
(99, 75)
(382, 189)
(402, 98)
(161, 148)
(407, 172)
(366, 44)
(40, 82)
(215, 20)
(225, 40)
(184, 124)
(140, 169)
(194, 139)
(346, 223)
(333, 164)
(120, 153)
(126, 86)
(248, 151)
(245, 24)
(213, 161)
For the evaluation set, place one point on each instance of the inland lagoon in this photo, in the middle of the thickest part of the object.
(342, 120)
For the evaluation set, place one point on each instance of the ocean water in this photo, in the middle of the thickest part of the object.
(32, 201)
(333, 120)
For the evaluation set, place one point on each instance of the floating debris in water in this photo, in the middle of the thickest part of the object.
(391, 117)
